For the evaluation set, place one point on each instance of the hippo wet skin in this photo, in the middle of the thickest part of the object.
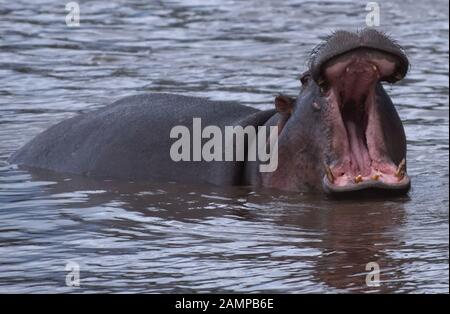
(340, 134)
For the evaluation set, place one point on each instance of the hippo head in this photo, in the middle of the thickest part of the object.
(343, 133)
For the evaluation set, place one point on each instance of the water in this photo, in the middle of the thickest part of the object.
(130, 237)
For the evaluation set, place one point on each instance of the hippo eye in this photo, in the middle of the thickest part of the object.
(304, 78)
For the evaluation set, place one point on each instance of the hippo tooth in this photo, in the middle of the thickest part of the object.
(329, 174)
(401, 169)
(358, 178)
(376, 176)
(374, 67)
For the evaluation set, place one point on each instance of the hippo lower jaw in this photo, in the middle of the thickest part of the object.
(360, 158)
(401, 186)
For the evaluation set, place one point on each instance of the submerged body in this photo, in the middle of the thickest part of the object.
(341, 134)
(130, 139)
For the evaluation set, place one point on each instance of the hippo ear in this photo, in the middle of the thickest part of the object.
(284, 105)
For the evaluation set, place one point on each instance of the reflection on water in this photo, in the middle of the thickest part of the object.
(137, 237)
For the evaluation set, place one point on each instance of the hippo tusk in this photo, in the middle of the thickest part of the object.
(329, 174)
(358, 179)
(401, 170)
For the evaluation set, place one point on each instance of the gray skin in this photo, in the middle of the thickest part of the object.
(130, 140)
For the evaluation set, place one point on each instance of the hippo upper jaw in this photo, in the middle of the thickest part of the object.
(344, 43)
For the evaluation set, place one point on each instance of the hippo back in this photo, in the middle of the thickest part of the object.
(130, 139)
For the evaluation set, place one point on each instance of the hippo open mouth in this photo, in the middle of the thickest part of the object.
(360, 155)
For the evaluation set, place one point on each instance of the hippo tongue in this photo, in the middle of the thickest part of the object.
(359, 156)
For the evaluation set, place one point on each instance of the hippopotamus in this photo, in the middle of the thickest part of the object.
(340, 134)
